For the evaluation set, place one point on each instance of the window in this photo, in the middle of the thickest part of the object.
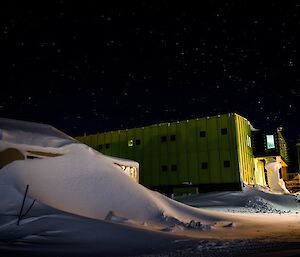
(270, 142)
(138, 142)
(173, 167)
(164, 168)
(100, 147)
(130, 143)
(163, 139)
(173, 137)
(248, 141)
(204, 165)
(224, 131)
(226, 164)
(32, 157)
(202, 133)
(107, 146)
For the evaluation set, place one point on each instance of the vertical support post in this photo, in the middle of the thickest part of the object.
(23, 202)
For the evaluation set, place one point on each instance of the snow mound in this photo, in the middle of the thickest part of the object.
(250, 200)
(29, 133)
(276, 183)
(260, 205)
(82, 181)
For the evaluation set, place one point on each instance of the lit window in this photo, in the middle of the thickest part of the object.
(202, 133)
(270, 142)
(248, 141)
(224, 131)
(130, 142)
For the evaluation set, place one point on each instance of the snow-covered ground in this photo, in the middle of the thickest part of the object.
(86, 205)
(250, 200)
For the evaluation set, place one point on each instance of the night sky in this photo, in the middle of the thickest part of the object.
(106, 65)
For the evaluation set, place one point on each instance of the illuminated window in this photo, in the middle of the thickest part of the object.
(173, 167)
(204, 165)
(248, 141)
(173, 137)
(202, 133)
(226, 164)
(163, 139)
(130, 142)
(270, 142)
(224, 131)
(137, 142)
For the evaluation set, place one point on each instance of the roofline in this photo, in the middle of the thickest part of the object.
(172, 122)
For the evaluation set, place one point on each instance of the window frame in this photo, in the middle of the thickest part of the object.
(202, 133)
(224, 131)
(204, 165)
(164, 168)
(226, 163)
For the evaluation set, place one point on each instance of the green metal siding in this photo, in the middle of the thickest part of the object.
(245, 152)
(186, 153)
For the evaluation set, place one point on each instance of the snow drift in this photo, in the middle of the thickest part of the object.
(80, 180)
(276, 183)
(72, 183)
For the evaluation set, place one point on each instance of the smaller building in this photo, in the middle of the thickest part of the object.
(268, 145)
(22, 141)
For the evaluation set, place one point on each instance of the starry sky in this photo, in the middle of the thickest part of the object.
(102, 65)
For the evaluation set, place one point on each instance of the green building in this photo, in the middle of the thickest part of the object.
(205, 154)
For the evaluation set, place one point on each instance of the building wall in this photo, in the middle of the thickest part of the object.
(260, 178)
(201, 151)
(282, 146)
(244, 149)
(9, 155)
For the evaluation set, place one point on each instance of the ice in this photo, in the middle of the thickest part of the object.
(250, 200)
(85, 203)
(275, 183)
(82, 181)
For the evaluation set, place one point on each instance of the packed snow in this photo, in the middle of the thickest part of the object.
(255, 199)
(276, 183)
(80, 199)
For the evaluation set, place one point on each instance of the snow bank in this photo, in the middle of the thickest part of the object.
(275, 183)
(33, 134)
(250, 200)
(83, 181)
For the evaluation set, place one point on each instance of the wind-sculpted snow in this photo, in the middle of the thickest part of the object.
(85, 205)
(276, 183)
(22, 132)
(83, 181)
